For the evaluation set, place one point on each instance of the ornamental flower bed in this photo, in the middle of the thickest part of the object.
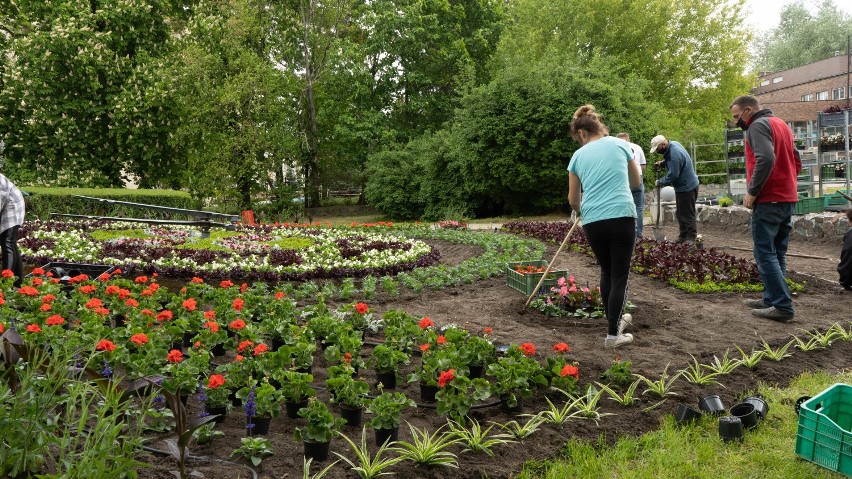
(259, 253)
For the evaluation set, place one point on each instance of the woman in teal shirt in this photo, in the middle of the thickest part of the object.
(600, 176)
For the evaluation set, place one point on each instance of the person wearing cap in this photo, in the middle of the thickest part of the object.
(681, 176)
(772, 168)
(639, 193)
(601, 174)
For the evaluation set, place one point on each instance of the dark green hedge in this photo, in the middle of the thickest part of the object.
(43, 201)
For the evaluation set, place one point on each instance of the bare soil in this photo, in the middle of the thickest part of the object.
(668, 326)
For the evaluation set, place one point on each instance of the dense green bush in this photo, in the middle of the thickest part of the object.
(508, 147)
(43, 201)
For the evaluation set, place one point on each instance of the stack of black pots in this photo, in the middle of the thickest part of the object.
(743, 416)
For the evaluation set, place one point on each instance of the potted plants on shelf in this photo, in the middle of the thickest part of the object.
(347, 392)
(385, 360)
(387, 409)
(320, 429)
(834, 142)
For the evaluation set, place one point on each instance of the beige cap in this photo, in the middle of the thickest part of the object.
(656, 142)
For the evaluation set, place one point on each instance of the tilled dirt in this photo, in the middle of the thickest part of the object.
(668, 326)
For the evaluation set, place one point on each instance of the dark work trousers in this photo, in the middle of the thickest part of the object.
(685, 212)
(612, 242)
(11, 255)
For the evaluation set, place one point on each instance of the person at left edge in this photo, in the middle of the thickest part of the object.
(11, 218)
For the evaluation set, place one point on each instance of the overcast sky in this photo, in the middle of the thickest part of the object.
(765, 14)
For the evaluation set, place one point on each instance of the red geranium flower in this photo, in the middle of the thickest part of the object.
(441, 340)
(104, 277)
(213, 326)
(260, 349)
(424, 347)
(148, 312)
(146, 292)
(123, 293)
(215, 380)
(243, 345)
(347, 358)
(45, 307)
(561, 348)
(55, 320)
(153, 286)
(487, 331)
(28, 291)
(528, 349)
(47, 298)
(116, 271)
(2, 328)
(88, 289)
(569, 370)
(141, 279)
(139, 338)
(238, 304)
(7, 273)
(38, 271)
(209, 314)
(197, 280)
(189, 304)
(112, 289)
(33, 328)
(426, 323)
(243, 287)
(132, 303)
(238, 358)
(237, 324)
(164, 315)
(446, 377)
(361, 308)
(105, 345)
(280, 295)
(38, 281)
(174, 356)
(80, 278)
(94, 303)
(226, 284)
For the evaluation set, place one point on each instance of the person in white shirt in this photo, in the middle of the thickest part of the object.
(638, 195)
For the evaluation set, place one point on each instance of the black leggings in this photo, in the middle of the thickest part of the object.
(613, 241)
(11, 255)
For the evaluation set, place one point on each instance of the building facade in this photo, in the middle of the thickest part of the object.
(798, 94)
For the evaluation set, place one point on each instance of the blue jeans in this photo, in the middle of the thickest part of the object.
(639, 201)
(771, 224)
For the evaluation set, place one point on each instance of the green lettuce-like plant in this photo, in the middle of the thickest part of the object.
(346, 390)
(387, 359)
(387, 409)
(515, 376)
(321, 426)
(295, 386)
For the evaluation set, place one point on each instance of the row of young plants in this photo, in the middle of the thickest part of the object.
(685, 267)
(392, 256)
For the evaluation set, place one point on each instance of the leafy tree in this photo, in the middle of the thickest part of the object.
(802, 37)
(68, 68)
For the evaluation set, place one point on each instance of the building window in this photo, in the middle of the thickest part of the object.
(764, 83)
(823, 95)
(777, 79)
(808, 97)
(838, 93)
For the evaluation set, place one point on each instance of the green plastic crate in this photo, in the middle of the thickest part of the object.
(824, 436)
(525, 283)
(808, 205)
(834, 199)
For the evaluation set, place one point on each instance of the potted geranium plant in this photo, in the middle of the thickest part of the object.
(434, 361)
(317, 434)
(477, 352)
(216, 400)
(457, 394)
(184, 371)
(262, 402)
(296, 390)
(385, 360)
(386, 409)
(515, 375)
(347, 392)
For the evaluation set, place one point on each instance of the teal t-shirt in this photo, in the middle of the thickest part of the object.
(602, 168)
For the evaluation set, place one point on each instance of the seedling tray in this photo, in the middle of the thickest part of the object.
(525, 283)
(824, 435)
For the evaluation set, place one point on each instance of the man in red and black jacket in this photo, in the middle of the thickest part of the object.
(772, 165)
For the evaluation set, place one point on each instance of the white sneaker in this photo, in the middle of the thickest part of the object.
(617, 341)
(626, 319)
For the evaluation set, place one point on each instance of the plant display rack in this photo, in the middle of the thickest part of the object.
(823, 436)
(833, 160)
(734, 157)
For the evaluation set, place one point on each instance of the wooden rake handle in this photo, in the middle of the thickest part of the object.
(549, 266)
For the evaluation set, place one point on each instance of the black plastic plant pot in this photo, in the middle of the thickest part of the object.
(261, 426)
(221, 412)
(388, 379)
(747, 414)
(386, 436)
(352, 415)
(318, 451)
(686, 415)
(292, 408)
(711, 404)
(730, 429)
(427, 392)
(760, 406)
(518, 408)
(475, 371)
